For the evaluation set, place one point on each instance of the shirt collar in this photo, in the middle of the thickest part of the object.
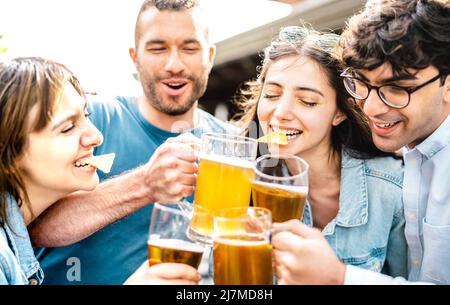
(439, 139)
(19, 239)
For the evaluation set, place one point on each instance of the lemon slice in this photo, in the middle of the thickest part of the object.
(274, 138)
(103, 162)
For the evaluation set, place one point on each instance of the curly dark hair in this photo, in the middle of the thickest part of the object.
(406, 33)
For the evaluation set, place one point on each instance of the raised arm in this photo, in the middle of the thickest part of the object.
(168, 176)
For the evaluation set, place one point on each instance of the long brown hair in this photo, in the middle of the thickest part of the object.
(353, 133)
(24, 84)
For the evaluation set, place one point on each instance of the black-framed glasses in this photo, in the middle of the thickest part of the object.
(295, 34)
(392, 95)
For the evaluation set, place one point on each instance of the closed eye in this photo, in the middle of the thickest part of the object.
(270, 96)
(192, 50)
(68, 128)
(156, 50)
(308, 103)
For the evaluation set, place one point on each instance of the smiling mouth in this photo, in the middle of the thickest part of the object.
(83, 163)
(175, 85)
(290, 133)
(386, 125)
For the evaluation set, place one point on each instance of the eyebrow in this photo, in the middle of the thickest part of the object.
(298, 88)
(391, 79)
(154, 41)
(66, 118)
(160, 41)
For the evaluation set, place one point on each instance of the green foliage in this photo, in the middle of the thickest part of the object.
(3, 48)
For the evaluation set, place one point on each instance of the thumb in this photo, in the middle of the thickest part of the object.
(298, 228)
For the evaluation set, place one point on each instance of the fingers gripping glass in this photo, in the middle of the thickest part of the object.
(392, 95)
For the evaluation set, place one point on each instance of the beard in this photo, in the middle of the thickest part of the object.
(173, 105)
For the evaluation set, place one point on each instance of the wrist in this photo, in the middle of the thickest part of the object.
(141, 189)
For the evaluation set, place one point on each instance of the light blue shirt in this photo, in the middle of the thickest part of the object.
(368, 230)
(426, 196)
(18, 265)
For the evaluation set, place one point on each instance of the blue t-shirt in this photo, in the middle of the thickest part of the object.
(112, 254)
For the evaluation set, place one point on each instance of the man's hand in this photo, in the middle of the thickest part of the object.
(302, 256)
(164, 274)
(170, 174)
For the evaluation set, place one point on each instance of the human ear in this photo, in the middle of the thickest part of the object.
(133, 54)
(339, 117)
(447, 90)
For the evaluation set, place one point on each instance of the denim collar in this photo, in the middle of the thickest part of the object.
(438, 140)
(353, 199)
(19, 240)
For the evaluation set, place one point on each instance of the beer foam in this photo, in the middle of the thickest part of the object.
(239, 242)
(233, 161)
(178, 244)
(300, 189)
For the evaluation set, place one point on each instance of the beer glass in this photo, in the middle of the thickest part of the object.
(168, 241)
(241, 247)
(224, 179)
(281, 185)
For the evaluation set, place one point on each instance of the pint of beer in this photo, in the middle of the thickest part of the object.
(285, 201)
(281, 185)
(242, 250)
(224, 180)
(168, 242)
(174, 251)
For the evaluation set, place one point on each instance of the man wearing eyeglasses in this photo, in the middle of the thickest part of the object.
(398, 54)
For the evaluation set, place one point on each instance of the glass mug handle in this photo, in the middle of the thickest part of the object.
(186, 207)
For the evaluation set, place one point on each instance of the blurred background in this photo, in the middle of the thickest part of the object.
(92, 38)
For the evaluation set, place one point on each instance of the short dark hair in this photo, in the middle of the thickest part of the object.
(406, 33)
(162, 5)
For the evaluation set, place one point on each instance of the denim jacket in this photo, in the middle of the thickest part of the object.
(368, 230)
(18, 265)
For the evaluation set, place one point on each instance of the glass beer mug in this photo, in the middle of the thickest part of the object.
(224, 180)
(241, 247)
(281, 185)
(167, 241)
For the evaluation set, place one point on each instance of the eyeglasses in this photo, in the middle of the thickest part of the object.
(294, 34)
(394, 96)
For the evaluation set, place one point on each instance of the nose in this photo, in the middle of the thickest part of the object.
(373, 105)
(283, 110)
(174, 63)
(91, 136)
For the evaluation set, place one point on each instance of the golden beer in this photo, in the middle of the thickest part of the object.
(174, 251)
(242, 260)
(286, 202)
(224, 182)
